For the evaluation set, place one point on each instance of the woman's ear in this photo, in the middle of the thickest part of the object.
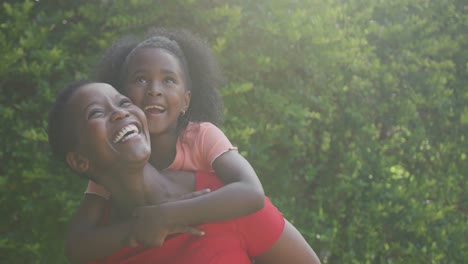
(77, 162)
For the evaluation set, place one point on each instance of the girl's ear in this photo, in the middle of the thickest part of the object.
(187, 97)
(77, 162)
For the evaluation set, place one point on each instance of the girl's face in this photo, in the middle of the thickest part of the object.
(110, 129)
(156, 83)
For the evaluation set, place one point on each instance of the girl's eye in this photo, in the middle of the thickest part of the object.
(94, 114)
(169, 80)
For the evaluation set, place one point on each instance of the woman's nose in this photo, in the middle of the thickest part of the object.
(119, 114)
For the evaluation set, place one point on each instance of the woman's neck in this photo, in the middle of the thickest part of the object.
(127, 189)
(150, 187)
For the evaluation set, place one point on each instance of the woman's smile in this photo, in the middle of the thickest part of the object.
(127, 132)
(114, 129)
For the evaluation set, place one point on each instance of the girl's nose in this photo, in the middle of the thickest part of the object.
(154, 90)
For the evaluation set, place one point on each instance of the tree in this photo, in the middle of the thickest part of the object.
(353, 114)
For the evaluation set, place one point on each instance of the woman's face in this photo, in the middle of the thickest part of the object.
(156, 83)
(110, 129)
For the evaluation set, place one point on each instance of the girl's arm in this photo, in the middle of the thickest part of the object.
(243, 191)
(291, 247)
(242, 194)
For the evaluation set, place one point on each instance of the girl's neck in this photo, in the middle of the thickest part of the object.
(164, 150)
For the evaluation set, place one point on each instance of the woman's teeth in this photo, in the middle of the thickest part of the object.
(126, 133)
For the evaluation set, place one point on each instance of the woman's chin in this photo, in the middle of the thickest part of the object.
(141, 155)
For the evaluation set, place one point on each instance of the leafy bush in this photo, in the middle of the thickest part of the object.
(353, 113)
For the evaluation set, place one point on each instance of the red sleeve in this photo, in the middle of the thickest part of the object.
(261, 229)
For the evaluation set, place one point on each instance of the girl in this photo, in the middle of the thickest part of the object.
(100, 134)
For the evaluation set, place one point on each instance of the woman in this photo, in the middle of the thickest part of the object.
(100, 134)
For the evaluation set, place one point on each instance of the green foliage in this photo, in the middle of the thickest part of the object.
(353, 113)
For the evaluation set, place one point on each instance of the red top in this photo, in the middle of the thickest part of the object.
(228, 242)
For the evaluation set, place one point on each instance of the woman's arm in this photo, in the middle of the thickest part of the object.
(291, 247)
(86, 240)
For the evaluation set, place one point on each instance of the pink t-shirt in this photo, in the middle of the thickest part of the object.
(196, 149)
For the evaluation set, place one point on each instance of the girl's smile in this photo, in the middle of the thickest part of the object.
(156, 83)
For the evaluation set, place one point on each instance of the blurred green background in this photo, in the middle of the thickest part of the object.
(353, 113)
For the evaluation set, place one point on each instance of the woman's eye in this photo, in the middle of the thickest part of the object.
(94, 114)
(125, 102)
(140, 79)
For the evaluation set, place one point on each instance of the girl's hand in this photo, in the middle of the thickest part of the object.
(191, 195)
(151, 227)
